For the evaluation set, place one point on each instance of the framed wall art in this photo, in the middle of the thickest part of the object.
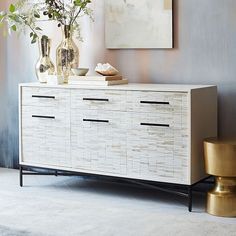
(138, 24)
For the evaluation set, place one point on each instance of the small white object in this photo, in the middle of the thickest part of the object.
(54, 80)
(80, 71)
(106, 69)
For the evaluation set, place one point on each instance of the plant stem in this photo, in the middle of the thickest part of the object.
(72, 22)
(26, 23)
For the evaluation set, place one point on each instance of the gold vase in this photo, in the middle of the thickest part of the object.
(67, 54)
(44, 66)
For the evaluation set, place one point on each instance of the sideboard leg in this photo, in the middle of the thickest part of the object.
(21, 176)
(190, 200)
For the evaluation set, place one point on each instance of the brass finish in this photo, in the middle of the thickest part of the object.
(221, 201)
(220, 157)
(220, 161)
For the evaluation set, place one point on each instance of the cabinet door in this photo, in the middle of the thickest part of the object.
(158, 145)
(98, 140)
(45, 136)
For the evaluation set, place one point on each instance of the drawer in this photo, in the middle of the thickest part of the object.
(164, 102)
(45, 97)
(98, 100)
(164, 121)
(152, 131)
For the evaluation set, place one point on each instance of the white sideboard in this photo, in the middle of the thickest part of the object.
(137, 131)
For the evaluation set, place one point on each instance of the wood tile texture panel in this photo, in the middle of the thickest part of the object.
(46, 140)
(96, 145)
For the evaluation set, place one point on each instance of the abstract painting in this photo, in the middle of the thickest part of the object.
(138, 24)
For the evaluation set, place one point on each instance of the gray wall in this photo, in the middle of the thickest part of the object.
(204, 53)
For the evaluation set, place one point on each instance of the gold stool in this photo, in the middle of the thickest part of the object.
(220, 161)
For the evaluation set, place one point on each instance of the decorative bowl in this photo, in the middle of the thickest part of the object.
(80, 71)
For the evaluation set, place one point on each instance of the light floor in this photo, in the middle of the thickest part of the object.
(49, 205)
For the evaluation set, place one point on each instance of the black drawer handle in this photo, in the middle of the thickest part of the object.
(43, 117)
(96, 99)
(152, 124)
(153, 102)
(41, 96)
(99, 121)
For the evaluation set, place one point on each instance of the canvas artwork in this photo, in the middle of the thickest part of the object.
(138, 24)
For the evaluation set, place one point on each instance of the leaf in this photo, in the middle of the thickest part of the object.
(31, 34)
(77, 3)
(12, 8)
(36, 14)
(12, 17)
(14, 28)
(34, 39)
(38, 28)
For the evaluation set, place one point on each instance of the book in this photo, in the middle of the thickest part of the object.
(95, 77)
(97, 82)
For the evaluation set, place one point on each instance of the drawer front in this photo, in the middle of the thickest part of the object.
(45, 97)
(98, 140)
(157, 148)
(98, 99)
(156, 102)
(140, 120)
(45, 136)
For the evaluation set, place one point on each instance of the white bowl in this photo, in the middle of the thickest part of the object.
(80, 71)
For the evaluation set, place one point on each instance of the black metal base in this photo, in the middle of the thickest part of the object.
(165, 187)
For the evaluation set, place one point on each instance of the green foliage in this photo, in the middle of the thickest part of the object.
(14, 28)
(1, 17)
(12, 8)
(34, 37)
(65, 13)
(21, 16)
(36, 14)
(38, 28)
(82, 4)
(25, 14)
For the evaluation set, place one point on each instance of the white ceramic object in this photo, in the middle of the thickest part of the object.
(106, 69)
(54, 79)
(80, 71)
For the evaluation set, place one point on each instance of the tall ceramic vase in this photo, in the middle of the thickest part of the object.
(67, 54)
(44, 66)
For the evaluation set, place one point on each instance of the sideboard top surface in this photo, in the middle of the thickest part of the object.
(131, 87)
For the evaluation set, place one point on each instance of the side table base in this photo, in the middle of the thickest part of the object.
(221, 201)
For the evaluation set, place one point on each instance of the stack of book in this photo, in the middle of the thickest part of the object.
(97, 80)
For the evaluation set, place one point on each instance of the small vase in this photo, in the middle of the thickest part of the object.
(44, 66)
(67, 54)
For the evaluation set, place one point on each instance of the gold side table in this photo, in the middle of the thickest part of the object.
(220, 161)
